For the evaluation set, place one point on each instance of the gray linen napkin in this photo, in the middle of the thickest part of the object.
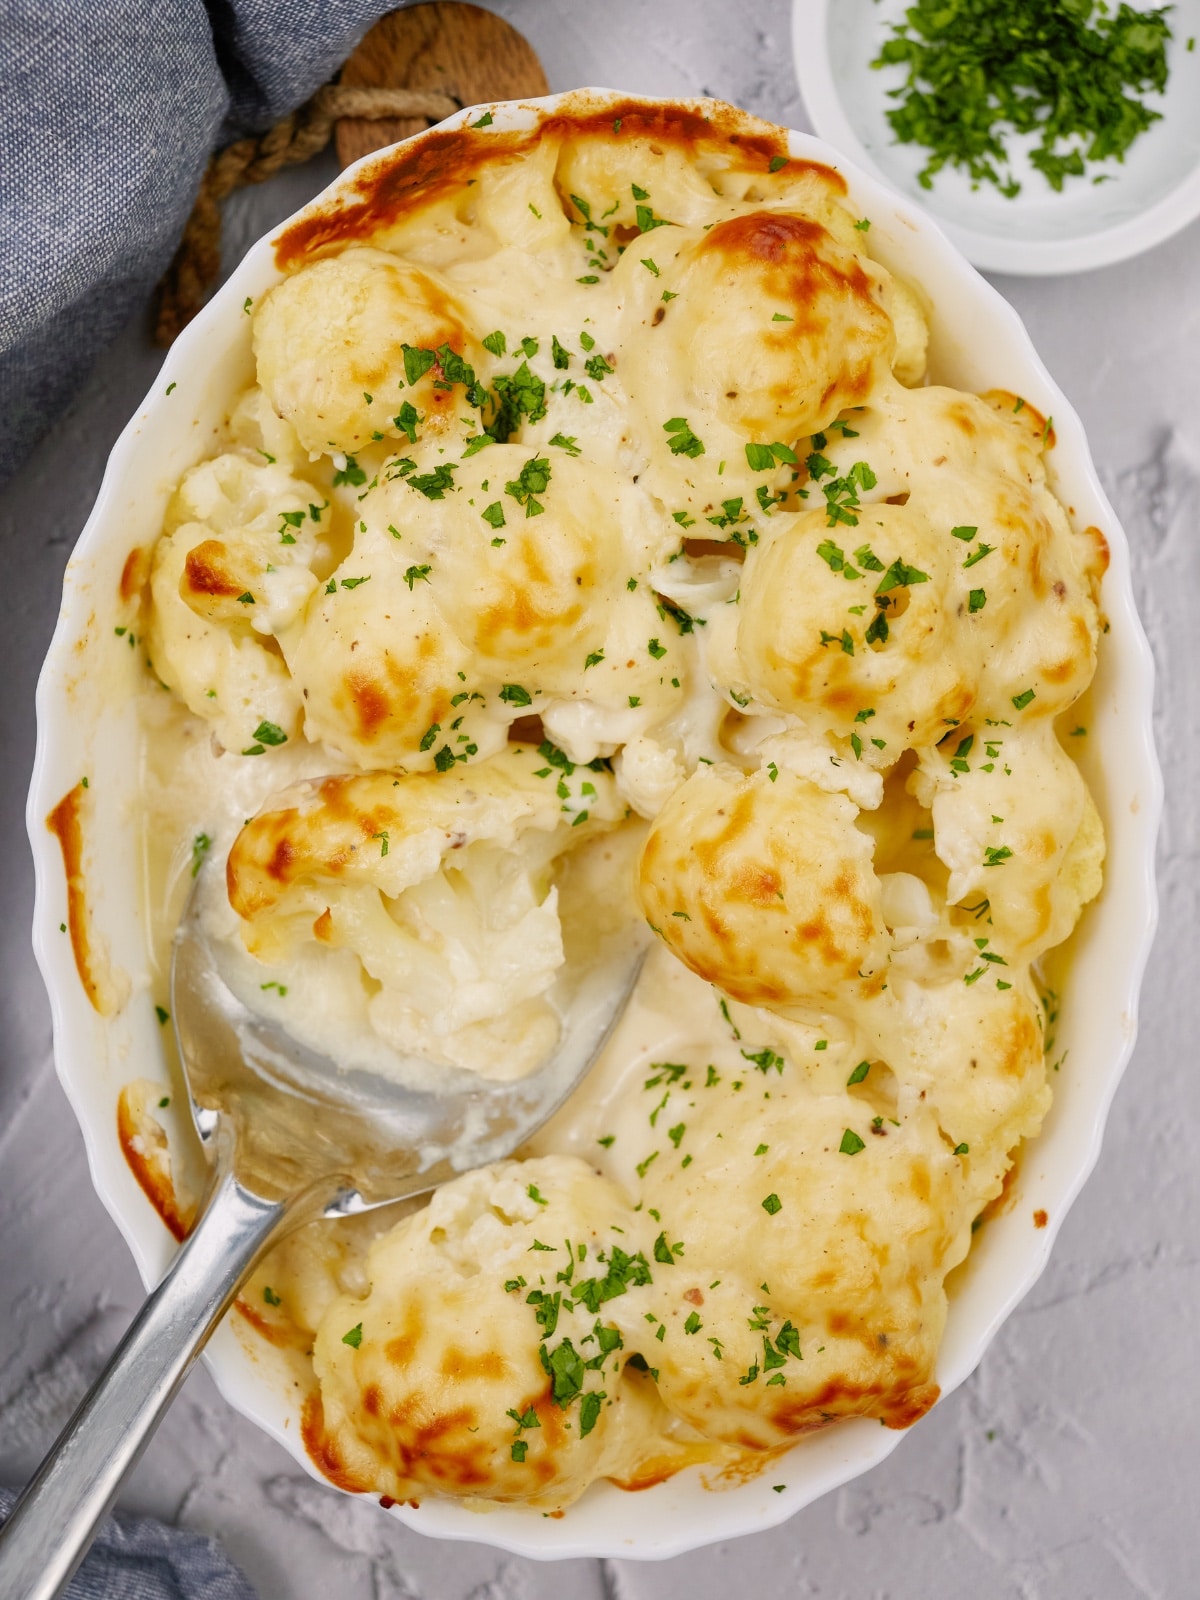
(108, 116)
(137, 1558)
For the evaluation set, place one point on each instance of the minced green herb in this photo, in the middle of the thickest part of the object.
(1068, 71)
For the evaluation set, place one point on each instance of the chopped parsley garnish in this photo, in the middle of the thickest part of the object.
(1022, 700)
(450, 365)
(354, 1337)
(859, 1073)
(565, 442)
(846, 642)
(623, 1272)
(589, 1411)
(979, 71)
(976, 600)
(900, 575)
(433, 485)
(656, 650)
(766, 1060)
(585, 211)
(662, 1251)
(406, 420)
(683, 441)
(833, 556)
(201, 845)
(851, 1144)
(682, 619)
(518, 394)
(772, 1204)
(867, 559)
(762, 457)
(841, 496)
(733, 512)
(493, 515)
(416, 574)
(995, 854)
(565, 1368)
(560, 354)
(647, 221)
(514, 695)
(533, 479)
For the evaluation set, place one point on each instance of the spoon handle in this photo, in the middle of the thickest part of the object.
(54, 1521)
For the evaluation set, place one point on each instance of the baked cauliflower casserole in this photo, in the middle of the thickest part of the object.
(589, 549)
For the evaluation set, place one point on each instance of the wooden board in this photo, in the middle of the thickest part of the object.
(464, 51)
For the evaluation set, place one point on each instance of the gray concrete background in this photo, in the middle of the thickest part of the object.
(1067, 1468)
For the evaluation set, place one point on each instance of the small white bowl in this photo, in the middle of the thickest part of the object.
(1146, 199)
(87, 726)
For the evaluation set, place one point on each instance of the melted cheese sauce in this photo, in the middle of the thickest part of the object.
(585, 550)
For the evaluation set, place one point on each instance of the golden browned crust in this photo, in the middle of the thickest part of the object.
(433, 166)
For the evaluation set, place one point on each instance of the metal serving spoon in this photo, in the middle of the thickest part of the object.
(288, 1137)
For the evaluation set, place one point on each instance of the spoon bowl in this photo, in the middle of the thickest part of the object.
(288, 1136)
(299, 1119)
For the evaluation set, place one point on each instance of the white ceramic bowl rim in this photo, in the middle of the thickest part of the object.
(1009, 251)
(978, 342)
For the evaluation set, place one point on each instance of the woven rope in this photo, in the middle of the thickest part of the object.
(301, 135)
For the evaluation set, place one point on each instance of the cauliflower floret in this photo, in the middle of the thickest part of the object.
(511, 585)
(1021, 584)
(973, 1053)
(861, 640)
(234, 566)
(377, 664)
(440, 884)
(344, 344)
(765, 887)
(473, 1367)
(774, 325)
(1014, 822)
(816, 1235)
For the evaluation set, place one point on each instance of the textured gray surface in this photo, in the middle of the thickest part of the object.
(1066, 1468)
